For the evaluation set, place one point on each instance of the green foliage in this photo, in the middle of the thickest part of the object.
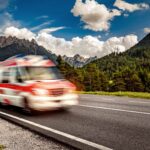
(129, 94)
(2, 147)
(118, 82)
(129, 71)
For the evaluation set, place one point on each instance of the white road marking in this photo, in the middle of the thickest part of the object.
(114, 109)
(139, 102)
(108, 99)
(85, 97)
(97, 99)
(101, 100)
(94, 145)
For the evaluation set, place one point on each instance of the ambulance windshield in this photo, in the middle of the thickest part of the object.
(43, 73)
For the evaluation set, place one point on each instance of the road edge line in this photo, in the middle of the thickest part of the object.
(116, 109)
(55, 134)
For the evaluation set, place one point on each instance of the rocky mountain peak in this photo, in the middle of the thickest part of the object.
(79, 58)
(77, 61)
(10, 46)
(5, 41)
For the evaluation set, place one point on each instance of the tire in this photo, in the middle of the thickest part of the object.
(3, 105)
(64, 109)
(26, 109)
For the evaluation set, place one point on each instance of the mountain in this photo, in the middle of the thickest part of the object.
(140, 50)
(10, 46)
(78, 61)
(136, 57)
(127, 71)
(145, 42)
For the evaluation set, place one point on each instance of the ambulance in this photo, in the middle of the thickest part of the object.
(34, 83)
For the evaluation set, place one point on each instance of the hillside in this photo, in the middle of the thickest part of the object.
(135, 58)
(128, 71)
(10, 46)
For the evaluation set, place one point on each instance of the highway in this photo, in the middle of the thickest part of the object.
(100, 122)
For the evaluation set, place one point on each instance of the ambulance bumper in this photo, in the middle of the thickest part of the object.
(50, 103)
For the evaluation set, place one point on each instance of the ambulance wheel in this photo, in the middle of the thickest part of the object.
(64, 109)
(26, 109)
(3, 104)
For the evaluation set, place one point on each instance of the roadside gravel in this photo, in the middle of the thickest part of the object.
(16, 138)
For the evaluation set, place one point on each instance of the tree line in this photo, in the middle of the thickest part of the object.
(129, 71)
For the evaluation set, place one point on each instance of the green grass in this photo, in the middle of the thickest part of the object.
(2, 147)
(129, 94)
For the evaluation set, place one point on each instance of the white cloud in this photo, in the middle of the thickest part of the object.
(52, 29)
(38, 27)
(6, 20)
(86, 46)
(57, 45)
(125, 6)
(96, 16)
(120, 44)
(42, 17)
(146, 30)
(23, 33)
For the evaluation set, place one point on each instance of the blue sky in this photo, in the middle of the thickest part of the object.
(58, 11)
(36, 15)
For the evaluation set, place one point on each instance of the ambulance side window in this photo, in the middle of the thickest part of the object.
(5, 76)
(1, 75)
(15, 75)
(18, 77)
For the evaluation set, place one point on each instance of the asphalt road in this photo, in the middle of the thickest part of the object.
(119, 123)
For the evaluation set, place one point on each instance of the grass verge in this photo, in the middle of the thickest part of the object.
(2, 147)
(129, 94)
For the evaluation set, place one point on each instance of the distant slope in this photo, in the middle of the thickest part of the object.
(140, 50)
(128, 71)
(145, 42)
(136, 57)
(12, 46)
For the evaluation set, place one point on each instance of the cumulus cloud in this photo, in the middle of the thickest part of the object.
(23, 33)
(7, 20)
(87, 46)
(120, 44)
(146, 30)
(125, 6)
(96, 16)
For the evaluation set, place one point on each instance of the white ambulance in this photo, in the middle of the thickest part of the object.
(34, 84)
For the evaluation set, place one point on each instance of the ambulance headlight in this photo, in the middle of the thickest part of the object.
(40, 92)
(70, 91)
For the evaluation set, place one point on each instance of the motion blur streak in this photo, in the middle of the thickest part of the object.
(34, 83)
